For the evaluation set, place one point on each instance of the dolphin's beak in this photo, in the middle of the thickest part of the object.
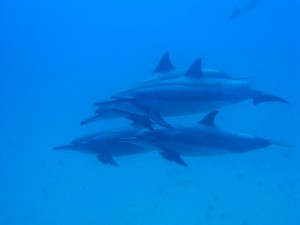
(62, 147)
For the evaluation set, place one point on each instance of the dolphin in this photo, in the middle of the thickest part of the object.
(202, 139)
(248, 5)
(105, 145)
(189, 94)
(163, 71)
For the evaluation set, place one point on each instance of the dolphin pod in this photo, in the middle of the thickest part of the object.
(202, 139)
(179, 93)
(172, 92)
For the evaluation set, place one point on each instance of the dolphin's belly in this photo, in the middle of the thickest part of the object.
(192, 150)
(122, 149)
(174, 108)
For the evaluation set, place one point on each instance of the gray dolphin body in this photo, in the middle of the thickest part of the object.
(106, 145)
(248, 5)
(202, 139)
(189, 94)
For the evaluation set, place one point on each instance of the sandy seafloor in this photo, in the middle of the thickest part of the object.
(57, 58)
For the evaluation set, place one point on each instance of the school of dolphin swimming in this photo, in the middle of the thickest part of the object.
(171, 92)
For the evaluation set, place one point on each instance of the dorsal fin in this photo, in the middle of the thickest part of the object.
(195, 69)
(164, 64)
(209, 119)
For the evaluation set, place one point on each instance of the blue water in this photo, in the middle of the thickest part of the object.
(58, 57)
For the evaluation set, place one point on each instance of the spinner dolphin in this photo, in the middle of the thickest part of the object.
(203, 139)
(105, 145)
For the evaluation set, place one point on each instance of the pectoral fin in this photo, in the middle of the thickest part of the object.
(154, 116)
(172, 156)
(107, 159)
(141, 121)
(157, 118)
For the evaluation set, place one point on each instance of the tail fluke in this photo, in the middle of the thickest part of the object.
(268, 98)
(236, 12)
